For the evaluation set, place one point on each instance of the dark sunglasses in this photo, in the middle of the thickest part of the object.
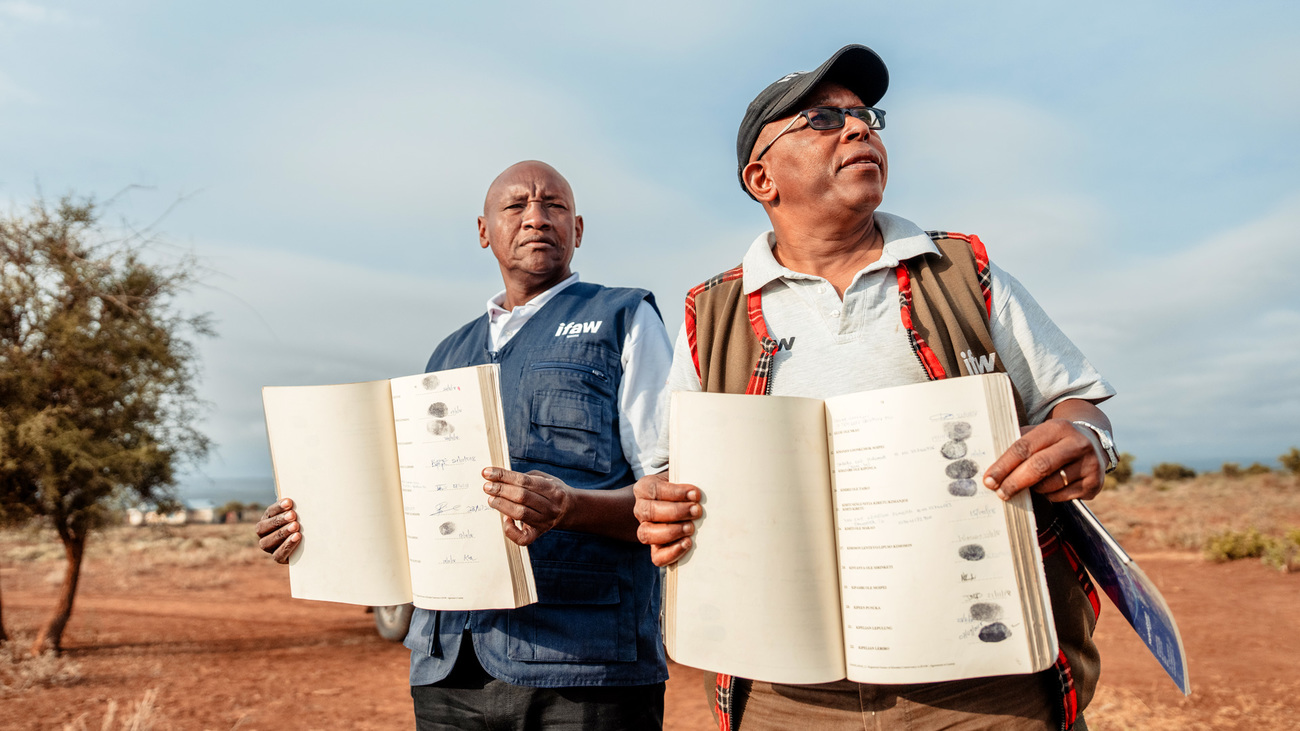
(831, 118)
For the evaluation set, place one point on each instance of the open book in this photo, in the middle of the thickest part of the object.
(852, 538)
(386, 477)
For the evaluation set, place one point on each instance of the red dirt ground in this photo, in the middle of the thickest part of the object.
(226, 648)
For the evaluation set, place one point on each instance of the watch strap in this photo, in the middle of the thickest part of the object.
(1107, 443)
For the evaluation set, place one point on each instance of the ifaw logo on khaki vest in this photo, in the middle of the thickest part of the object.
(976, 366)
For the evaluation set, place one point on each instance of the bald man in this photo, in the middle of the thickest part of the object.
(581, 369)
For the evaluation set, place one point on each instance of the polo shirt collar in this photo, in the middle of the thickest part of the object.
(496, 305)
(903, 240)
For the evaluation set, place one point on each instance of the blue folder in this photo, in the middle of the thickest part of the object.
(1129, 589)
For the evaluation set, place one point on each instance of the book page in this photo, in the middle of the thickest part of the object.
(458, 551)
(756, 595)
(334, 452)
(521, 567)
(927, 573)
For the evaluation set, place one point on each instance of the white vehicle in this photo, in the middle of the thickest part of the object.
(392, 622)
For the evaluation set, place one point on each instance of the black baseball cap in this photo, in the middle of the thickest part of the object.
(856, 67)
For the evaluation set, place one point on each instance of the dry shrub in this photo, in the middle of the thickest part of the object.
(1146, 518)
(1123, 471)
(1172, 471)
(1291, 461)
(126, 556)
(1234, 545)
(20, 671)
(146, 551)
(141, 548)
(1256, 468)
(30, 543)
(143, 716)
(1283, 553)
(35, 552)
(1280, 552)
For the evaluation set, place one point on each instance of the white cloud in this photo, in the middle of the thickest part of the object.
(1246, 267)
(12, 92)
(398, 152)
(292, 319)
(1200, 337)
(1205, 340)
(1000, 168)
(388, 147)
(28, 12)
(667, 26)
(1247, 77)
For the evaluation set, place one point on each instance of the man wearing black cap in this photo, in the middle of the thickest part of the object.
(841, 297)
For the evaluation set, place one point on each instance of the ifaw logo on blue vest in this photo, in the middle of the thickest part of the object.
(574, 329)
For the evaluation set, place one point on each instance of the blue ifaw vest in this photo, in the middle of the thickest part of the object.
(596, 621)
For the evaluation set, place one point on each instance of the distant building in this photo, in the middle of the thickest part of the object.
(201, 511)
(192, 511)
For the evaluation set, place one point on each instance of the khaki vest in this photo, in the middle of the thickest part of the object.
(945, 303)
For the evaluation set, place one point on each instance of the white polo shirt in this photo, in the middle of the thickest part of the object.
(828, 346)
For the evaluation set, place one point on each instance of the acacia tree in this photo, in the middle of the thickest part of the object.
(97, 377)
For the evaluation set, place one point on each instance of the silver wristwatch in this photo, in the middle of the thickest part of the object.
(1107, 444)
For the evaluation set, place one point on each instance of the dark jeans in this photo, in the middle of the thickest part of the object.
(470, 698)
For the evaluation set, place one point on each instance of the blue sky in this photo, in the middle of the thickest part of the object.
(1135, 166)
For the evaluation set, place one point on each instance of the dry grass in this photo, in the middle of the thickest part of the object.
(144, 716)
(143, 548)
(1145, 515)
(21, 672)
(125, 556)
(1156, 515)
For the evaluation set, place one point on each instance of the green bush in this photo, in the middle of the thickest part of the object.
(1172, 471)
(1231, 469)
